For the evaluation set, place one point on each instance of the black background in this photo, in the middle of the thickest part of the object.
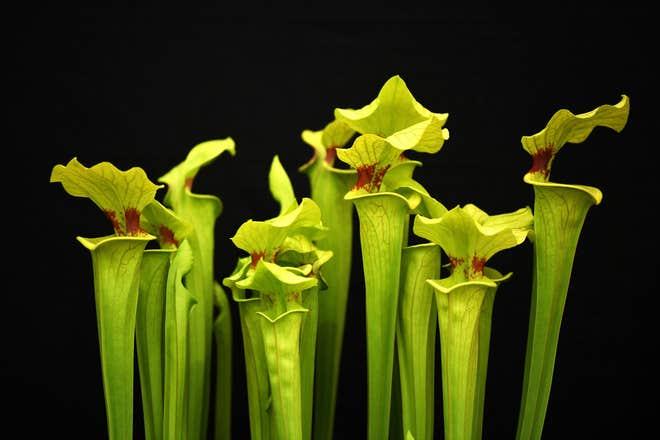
(140, 86)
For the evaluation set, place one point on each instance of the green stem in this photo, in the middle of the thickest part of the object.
(464, 315)
(281, 338)
(559, 213)
(396, 408)
(328, 189)
(382, 218)
(307, 356)
(416, 330)
(116, 263)
(397, 430)
(198, 355)
(201, 211)
(223, 341)
(482, 368)
(150, 337)
(179, 307)
(256, 372)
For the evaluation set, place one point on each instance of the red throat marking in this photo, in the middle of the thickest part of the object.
(378, 178)
(167, 235)
(256, 257)
(189, 183)
(541, 160)
(478, 265)
(455, 262)
(132, 217)
(370, 178)
(112, 216)
(330, 155)
(365, 174)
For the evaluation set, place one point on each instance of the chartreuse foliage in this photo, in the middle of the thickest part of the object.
(291, 289)
(178, 306)
(222, 332)
(276, 288)
(390, 125)
(150, 337)
(415, 339)
(200, 211)
(157, 319)
(116, 259)
(328, 187)
(559, 212)
(470, 238)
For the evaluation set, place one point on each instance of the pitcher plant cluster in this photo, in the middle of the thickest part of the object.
(156, 292)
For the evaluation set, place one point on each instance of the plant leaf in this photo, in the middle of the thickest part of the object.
(121, 195)
(298, 250)
(258, 386)
(401, 174)
(336, 134)
(163, 223)
(280, 187)
(306, 215)
(308, 334)
(371, 156)
(427, 136)
(178, 306)
(270, 277)
(116, 262)
(464, 317)
(262, 239)
(383, 219)
(416, 329)
(281, 339)
(149, 336)
(566, 127)
(470, 237)
(200, 211)
(222, 331)
(325, 142)
(559, 214)
(181, 177)
(328, 187)
(259, 239)
(393, 110)
(239, 272)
